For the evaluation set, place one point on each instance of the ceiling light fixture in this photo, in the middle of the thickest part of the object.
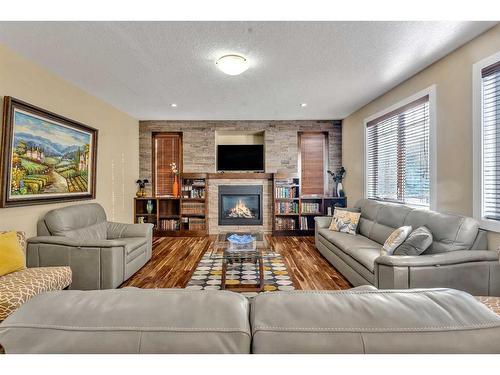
(173, 105)
(232, 64)
(303, 105)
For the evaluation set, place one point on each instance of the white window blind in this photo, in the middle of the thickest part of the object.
(398, 166)
(490, 100)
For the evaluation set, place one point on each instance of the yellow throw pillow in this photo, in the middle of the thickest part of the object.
(345, 221)
(12, 257)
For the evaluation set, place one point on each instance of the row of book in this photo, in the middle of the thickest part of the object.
(284, 223)
(310, 208)
(304, 224)
(196, 223)
(193, 192)
(169, 224)
(287, 207)
(287, 192)
(193, 208)
(194, 183)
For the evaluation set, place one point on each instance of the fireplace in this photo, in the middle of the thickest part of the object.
(240, 205)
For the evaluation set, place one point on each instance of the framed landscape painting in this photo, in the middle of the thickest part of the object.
(45, 158)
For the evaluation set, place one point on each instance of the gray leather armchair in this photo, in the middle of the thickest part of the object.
(456, 259)
(101, 254)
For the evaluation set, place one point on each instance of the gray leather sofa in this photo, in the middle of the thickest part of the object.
(101, 254)
(456, 259)
(361, 320)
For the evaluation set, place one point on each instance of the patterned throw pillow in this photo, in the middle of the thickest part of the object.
(395, 239)
(417, 242)
(345, 221)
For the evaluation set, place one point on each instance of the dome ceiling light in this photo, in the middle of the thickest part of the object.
(232, 64)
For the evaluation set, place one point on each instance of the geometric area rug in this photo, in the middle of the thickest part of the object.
(207, 275)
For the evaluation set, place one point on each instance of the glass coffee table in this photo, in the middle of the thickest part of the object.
(248, 256)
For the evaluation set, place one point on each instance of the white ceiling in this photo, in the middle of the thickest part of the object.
(143, 67)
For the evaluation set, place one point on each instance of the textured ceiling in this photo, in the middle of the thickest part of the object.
(142, 67)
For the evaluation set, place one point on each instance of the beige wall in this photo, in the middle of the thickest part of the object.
(452, 76)
(118, 143)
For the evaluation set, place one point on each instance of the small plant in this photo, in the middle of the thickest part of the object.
(142, 183)
(339, 175)
(173, 167)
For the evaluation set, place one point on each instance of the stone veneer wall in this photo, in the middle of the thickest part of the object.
(199, 149)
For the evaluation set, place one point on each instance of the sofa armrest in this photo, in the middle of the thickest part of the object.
(75, 242)
(322, 221)
(121, 230)
(451, 257)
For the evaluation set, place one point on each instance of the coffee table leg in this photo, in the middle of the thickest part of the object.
(223, 275)
(261, 273)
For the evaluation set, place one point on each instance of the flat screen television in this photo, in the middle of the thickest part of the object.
(240, 158)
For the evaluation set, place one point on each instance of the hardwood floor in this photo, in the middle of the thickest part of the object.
(175, 259)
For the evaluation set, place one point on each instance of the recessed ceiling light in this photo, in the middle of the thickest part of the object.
(232, 64)
(303, 105)
(173, 105)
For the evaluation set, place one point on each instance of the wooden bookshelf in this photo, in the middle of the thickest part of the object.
(293, 213)
(186, 215)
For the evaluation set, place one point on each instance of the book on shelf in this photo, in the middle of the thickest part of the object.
(310, 208)
(193, 208)
(287, 207)
(283, 223)
(196, 223)
(286, 192)
(304, 223)
(169, 224)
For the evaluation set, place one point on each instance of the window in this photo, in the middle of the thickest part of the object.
(398, 153)
(313, 162)
(167, 148)
(487, 142)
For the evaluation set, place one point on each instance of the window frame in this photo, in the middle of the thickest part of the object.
(477, 141)
(431, 92)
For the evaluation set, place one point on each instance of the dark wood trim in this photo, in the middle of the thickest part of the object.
(9, 105)
(242, 176)
(155, 135)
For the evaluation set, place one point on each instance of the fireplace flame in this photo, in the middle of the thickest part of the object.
(240, 210)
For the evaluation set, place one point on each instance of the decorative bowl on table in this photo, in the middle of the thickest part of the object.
(241, 242)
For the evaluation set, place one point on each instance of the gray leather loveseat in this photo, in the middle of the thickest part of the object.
(360, 320)
(456, 259)
(101, 254)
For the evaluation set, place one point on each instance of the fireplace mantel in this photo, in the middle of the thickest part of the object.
(241, 176)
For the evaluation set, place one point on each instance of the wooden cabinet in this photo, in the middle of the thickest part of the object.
(186, 215)
(293, 213)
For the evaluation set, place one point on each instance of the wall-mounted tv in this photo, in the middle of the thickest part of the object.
(240, 158)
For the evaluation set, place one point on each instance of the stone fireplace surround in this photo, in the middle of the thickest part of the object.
(199, 155)
(213, 204)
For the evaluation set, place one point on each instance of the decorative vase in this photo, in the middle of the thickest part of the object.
(149, 207)
(340, 190)
(140, 193)
(175, 187)
(335, 189)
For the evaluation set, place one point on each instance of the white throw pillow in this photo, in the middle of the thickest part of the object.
(395, 239)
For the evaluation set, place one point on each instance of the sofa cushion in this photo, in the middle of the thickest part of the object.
(12, 257)
(373, 321)
(18, 287)
(450, 232)
(417, 242)
(397, 237)
(79, 221)
(358, 247)
(130, 321)
(345, 221)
